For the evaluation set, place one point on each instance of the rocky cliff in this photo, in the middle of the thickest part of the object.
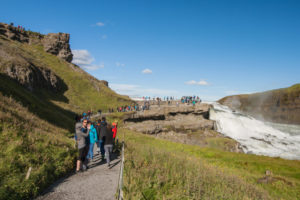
(54, 43)
(183, 124)
(281, 105)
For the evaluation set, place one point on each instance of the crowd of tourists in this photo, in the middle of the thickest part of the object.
(87, 134)
(134, 107)
(191, 100)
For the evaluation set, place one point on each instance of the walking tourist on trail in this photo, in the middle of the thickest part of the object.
(81, 140)
(108, 143)
(93, 138)
(103, 130)
(97, 127)
(114, 130)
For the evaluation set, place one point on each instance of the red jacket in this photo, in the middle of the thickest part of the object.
(114, 130)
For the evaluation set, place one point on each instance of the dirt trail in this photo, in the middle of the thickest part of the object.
(98, 182)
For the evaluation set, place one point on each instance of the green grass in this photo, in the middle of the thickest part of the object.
(27, 141)
(160, 169)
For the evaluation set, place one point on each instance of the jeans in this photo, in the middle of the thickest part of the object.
(91, 151)
(101, 146)
(108, 150)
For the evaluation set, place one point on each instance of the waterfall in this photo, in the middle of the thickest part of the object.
(256, 136)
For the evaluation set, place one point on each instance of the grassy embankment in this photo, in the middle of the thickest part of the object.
(36, 127)
(160, 169)
(28, 141)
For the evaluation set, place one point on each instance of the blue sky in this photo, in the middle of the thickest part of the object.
(169, 47)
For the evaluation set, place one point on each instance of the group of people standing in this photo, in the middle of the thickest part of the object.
(87, 134)
(191, 99)
(134, 107)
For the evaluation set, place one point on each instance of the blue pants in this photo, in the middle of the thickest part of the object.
(91, 151)
(101, 146)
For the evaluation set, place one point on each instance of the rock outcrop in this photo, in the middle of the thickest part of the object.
(281, 106)
(170, 118)
(54, 43)
(184, 124)
(33, 77)
(58, 44)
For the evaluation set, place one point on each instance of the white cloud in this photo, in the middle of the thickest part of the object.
(147, 71)
(193, 82)
(138, 91)
(84, 59)
(93, 67)
(100, 24)
(118, 64)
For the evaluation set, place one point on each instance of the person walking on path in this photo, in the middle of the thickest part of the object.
(97, 127)
(93, 139)
(108, 143)
(102, 132)
(81, 140)
(114, 130)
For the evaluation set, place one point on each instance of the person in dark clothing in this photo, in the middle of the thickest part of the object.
(102, 132)
(97, 126)
(108, 143)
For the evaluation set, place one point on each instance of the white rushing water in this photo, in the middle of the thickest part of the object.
(258, 137)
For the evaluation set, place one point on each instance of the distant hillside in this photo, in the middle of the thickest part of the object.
(281, 105)
(40, 94)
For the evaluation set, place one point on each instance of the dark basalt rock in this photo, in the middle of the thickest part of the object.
(33, 77)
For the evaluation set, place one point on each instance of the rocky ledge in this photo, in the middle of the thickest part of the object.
(164, 118)
(184, 124)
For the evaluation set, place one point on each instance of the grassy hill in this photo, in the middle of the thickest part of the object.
(281, 105)
(40, 95)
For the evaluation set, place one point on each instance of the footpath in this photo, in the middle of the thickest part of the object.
(98, 182)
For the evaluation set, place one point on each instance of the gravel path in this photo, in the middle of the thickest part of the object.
(98, 182)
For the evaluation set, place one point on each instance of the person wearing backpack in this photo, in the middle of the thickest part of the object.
(108, 143)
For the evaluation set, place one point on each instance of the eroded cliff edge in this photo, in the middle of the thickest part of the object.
(183, 124)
